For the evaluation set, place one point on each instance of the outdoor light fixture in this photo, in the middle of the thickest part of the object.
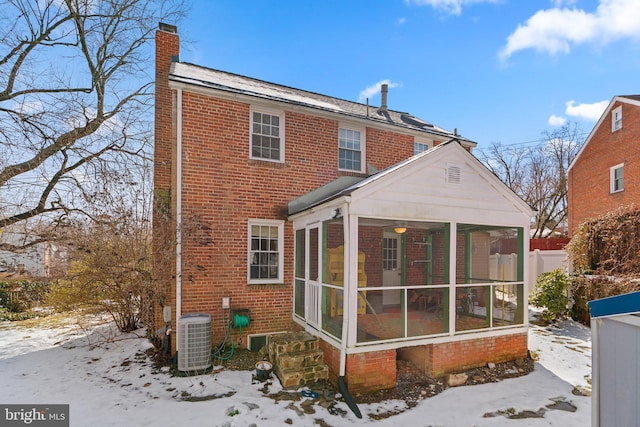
(400, 228)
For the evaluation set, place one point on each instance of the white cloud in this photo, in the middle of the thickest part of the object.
(453, 7)
(586, 111)
(556, 30)
(560, 3)
(557, 121)
(401, 21)
(374, 89)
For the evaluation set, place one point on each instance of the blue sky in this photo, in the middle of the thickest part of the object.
(497, 70)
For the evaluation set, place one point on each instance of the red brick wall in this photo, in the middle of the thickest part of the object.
(437, 360)
(365, 372)
(380, 153)
(332, 360)
(370, 242)
(375, 370)
(462, 355)
(589, 184)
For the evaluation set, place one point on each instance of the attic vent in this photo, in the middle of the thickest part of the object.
(453, 174)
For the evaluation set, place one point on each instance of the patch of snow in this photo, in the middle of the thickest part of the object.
(108, 380)
(205, 77)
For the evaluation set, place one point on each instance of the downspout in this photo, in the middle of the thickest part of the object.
(346, 310)
(178, 211)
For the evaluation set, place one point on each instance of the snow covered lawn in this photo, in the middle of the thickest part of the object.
(107, 380)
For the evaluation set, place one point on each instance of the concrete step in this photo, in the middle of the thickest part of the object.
(293, 378)
(297, 359)
(300, 359)
(293, 342)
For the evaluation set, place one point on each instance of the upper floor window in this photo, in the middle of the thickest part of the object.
(617, 178)
(267, 142)
(350, 149)
(616, 119)
(266, 246)
(419, 147)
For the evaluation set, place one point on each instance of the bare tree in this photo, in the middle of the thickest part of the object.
(538, 174)
(111, 265)
(75, 103)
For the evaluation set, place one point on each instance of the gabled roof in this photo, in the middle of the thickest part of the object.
(236, 84)
(616, 305)
(345, 187)
(627, 99)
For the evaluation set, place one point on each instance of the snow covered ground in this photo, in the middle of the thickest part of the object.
(107, 380)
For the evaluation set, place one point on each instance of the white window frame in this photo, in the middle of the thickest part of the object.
(270, 223)
(363, 154)
(612, 178)
(421, 143)
(280, 115)
(616, 119)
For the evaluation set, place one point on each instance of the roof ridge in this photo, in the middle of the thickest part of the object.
(290, 87)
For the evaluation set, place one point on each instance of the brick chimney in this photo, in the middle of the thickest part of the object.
(167, 51)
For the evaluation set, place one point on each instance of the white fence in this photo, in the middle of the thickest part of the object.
(544, 262)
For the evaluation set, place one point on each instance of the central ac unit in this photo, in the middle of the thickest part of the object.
(194, 342)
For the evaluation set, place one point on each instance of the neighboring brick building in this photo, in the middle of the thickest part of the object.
(313, 212)
(604, 174)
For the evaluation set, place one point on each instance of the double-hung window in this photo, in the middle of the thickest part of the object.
(616, 119)
(267, 135)
(617, 178)
(419, 147)
(351, 149)
(265, 252)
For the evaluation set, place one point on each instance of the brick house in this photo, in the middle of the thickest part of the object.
(610, 153)
(369, 228)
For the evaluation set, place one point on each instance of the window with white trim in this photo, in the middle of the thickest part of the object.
(616, 174)
(350, 149)
(616, 119)
(420, 146)
(267, 135)
(266, 246)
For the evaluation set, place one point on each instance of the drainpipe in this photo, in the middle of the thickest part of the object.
(178, 211)
(346, 310)
(345, 294)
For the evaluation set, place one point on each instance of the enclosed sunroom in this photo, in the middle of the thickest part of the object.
(428, 252)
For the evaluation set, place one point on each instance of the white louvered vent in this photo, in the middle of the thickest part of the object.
(194, 342)
(453, 174)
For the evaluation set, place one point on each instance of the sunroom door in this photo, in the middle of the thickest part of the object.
(313, 294)
(391, 267)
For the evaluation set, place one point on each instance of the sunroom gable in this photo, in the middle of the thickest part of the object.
(446, 183)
